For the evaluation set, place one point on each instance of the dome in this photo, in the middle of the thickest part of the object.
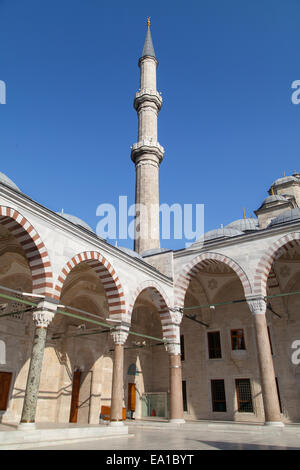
(129, 252)
(75, 220)
(284, 180)
(244, 224)
(218, 233)
(273, 198)
(8, 182)
(154, 251)
(289, 215)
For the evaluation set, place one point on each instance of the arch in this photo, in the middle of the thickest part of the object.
(277, 248)
(107, 275)
(34, 249)
(161, 302)
(192, 268)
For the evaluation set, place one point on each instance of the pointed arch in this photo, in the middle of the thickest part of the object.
(193, 267)
(106, 274)
(161, 302)
(34, 249)
(280, 246)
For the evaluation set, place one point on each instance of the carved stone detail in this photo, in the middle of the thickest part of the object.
(119, 337)
(44, 313)
(257, 305)
(173, 348)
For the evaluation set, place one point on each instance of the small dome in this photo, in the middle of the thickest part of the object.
(273, 198)
(289, 215)
(154, 251)
(218, 233)
(75, 220)
(244, 224)
(285, 179)
(129, 252)
(6, 180)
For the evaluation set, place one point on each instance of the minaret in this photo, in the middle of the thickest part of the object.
(147, 154)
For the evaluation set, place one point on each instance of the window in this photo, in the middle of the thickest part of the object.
(182, 347)
(184, 396)
(214, 345)
(237, 340)
(244, 397)
(218, 395)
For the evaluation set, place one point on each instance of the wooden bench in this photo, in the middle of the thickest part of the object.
(105, 413)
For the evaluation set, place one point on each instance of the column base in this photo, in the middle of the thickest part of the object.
(176, 421)
(277, 424)
(116, 423)
(26, 426)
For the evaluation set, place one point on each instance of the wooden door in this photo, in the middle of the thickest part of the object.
(75, 396)
(5, 381)
(131, 397)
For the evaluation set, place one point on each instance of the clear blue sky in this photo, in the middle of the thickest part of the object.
(228, 125)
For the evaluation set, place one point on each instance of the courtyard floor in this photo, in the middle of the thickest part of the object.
(190, 436)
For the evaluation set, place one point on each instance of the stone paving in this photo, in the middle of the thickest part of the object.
(197, 436)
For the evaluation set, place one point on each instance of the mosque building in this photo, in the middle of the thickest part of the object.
(90, 331)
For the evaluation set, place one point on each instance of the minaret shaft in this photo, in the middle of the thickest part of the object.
(147, 153)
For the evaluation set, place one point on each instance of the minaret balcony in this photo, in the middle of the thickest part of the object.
(147, 146)
(146, 94)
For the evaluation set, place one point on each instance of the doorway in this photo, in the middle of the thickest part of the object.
(5, 381)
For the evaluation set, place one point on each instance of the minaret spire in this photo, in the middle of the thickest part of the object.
(148, 46)
(147, 153)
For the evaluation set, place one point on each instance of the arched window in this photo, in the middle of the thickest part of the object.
(132, 370)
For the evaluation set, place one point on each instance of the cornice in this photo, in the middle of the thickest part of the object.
(25, 202)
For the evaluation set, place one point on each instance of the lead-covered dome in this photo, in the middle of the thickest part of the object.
(130, 252)
(244, 225)
(290, 215)
(75, 220)
(8, 182)
(284, 180)
(217, 234)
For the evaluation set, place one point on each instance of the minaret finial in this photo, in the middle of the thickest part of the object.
(148, 22)
(244, 213)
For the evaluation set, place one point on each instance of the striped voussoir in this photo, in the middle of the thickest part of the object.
(191, 269)
(161, 302)
(107, 275)
(291, 240)
(34, 249)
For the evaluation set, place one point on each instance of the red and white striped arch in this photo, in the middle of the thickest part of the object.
(107, 275)
(291, 240)
(161, 302)
(34, 249)
(192, 268)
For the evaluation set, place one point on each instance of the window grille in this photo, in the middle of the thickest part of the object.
(218, 395)
(244, 396)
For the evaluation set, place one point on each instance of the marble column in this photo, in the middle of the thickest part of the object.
(117, 392)
(175, 371)
(257, 306)
(42, 317)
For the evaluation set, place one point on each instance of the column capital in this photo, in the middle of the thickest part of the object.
(176, 316)
(173, 348)
(257, 304)
(44, 312)
(119, 336)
